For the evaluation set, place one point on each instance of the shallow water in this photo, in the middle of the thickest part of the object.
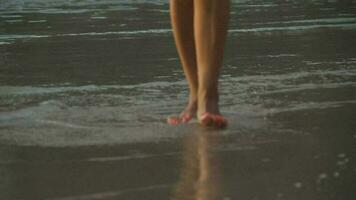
(86, 87)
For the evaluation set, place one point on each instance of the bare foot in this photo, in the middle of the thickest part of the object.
(209, 114)
(186, 115)
(208, 104)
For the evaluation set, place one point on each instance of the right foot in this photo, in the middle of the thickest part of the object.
(185, 116)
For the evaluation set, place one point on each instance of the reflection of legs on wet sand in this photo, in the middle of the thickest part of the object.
(200, 173)
(208, 181)
(186, 186)
(199, 29)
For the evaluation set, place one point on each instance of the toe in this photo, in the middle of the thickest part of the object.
(173, 121)
(185, 118)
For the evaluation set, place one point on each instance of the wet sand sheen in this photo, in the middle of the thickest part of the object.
(245, 164)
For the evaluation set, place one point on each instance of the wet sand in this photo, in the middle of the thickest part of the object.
(85, 88)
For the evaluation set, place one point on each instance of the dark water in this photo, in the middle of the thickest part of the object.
(86, 86)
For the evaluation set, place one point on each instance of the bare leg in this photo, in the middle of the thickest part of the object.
(183, 31)
(210, 27)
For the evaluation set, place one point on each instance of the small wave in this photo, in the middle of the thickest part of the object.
(133, 32)
(278, 78)
(293, 28)
(346, 23)
(30, 113)
(339, 20)
(32, 90)
(14, 37)
(279, 55)
(37, 21)
(98, 17)
(350, 61)
(310, 106)
(309, 86)
(64, 124)
(11, 16)
(130, 157)
(14, 21)
(256, 5)
(112, 194)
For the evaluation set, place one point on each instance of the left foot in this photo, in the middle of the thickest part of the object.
(212, 120)
(209, 114)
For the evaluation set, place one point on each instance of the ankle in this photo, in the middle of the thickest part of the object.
(206, 96)
(193, 98)
(208, 103)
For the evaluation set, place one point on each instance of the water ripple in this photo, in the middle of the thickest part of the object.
(112, 194)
